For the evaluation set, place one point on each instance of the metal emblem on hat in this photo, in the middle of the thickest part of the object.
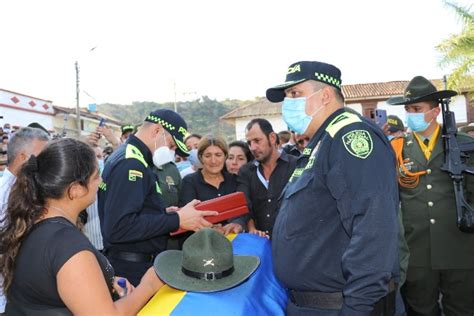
(209, 262)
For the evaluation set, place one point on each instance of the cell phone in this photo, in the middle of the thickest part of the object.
(102, 122)
(380, 117)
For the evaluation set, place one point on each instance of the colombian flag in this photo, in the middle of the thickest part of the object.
(261, 294)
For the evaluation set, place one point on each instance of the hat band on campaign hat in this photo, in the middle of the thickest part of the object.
(208, 276)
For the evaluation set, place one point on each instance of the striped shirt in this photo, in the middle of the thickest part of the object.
(92, 227)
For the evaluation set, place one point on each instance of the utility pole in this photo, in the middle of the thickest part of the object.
(78, 111)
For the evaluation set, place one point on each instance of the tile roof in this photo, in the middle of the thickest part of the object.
(378, 90)
(87, 114)
(352, 93)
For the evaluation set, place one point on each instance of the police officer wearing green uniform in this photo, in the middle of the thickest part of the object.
(335, 237)
(441, 256)
(134, 223)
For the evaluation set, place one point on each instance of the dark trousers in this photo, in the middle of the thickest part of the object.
(385, 307)
(423, 287)
(133, 271)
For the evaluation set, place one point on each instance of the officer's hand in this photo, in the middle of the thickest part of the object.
(233, 228)
(192, 219)
(258, 232)
(172, 209)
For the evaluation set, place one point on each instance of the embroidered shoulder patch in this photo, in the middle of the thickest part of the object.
(358, 143)
(133, 174)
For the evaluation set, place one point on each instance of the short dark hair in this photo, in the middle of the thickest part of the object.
(319, 85)
(264, 125)
(245, 149)
(433, 104)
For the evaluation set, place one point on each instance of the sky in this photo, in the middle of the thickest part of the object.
(182, 49)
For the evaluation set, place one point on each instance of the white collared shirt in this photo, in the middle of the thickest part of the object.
(6, 184)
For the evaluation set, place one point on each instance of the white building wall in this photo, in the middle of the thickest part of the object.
(21, 110)
(22, 118)
(277, 123)
(355, 106)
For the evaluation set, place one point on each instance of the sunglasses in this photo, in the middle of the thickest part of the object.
(302, 141)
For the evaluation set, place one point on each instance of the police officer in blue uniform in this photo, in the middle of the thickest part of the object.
(134, 223)
(335, 237)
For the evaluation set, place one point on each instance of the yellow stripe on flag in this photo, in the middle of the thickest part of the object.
(167, 298)
(163, 303)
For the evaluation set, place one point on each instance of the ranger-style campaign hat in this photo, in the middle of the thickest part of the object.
(306, 70)
(395, 124)
(420, 89)
(174, 124)
(206, 264)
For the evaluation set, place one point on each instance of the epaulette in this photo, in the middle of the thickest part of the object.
(133, 152)
(341, 121)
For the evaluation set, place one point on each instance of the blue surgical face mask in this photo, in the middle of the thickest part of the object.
(1, 174)
(101, 165)
(294, 113)
(183, 165)
(390, 137)
(416, 122)
(194, 159)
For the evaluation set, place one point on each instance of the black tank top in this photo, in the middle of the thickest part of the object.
(48, 246)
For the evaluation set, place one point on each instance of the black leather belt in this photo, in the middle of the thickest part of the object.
(317, 299)
(130, 256)
(334, 301)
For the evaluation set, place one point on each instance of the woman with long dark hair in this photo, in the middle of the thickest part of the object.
(49, 266)
(239, 155)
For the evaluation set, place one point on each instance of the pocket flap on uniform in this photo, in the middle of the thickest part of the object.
(299, 183)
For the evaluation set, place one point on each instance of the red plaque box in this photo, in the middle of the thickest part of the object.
(229, 206)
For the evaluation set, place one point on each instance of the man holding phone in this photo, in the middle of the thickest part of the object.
(102, 129)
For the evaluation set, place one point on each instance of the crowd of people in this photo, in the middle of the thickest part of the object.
(347, 237)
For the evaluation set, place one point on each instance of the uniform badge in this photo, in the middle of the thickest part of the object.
(358, 143)
(169, 180)
(133, 174)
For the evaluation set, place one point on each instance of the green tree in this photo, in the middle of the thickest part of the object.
(458, 50)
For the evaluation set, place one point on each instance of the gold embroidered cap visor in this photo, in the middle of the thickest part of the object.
(174, 124)
(420, 89)
(302, 71)
(206, 264)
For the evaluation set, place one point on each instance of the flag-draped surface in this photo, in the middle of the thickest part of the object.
(261, 294)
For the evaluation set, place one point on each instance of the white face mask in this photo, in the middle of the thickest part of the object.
(162, 155)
